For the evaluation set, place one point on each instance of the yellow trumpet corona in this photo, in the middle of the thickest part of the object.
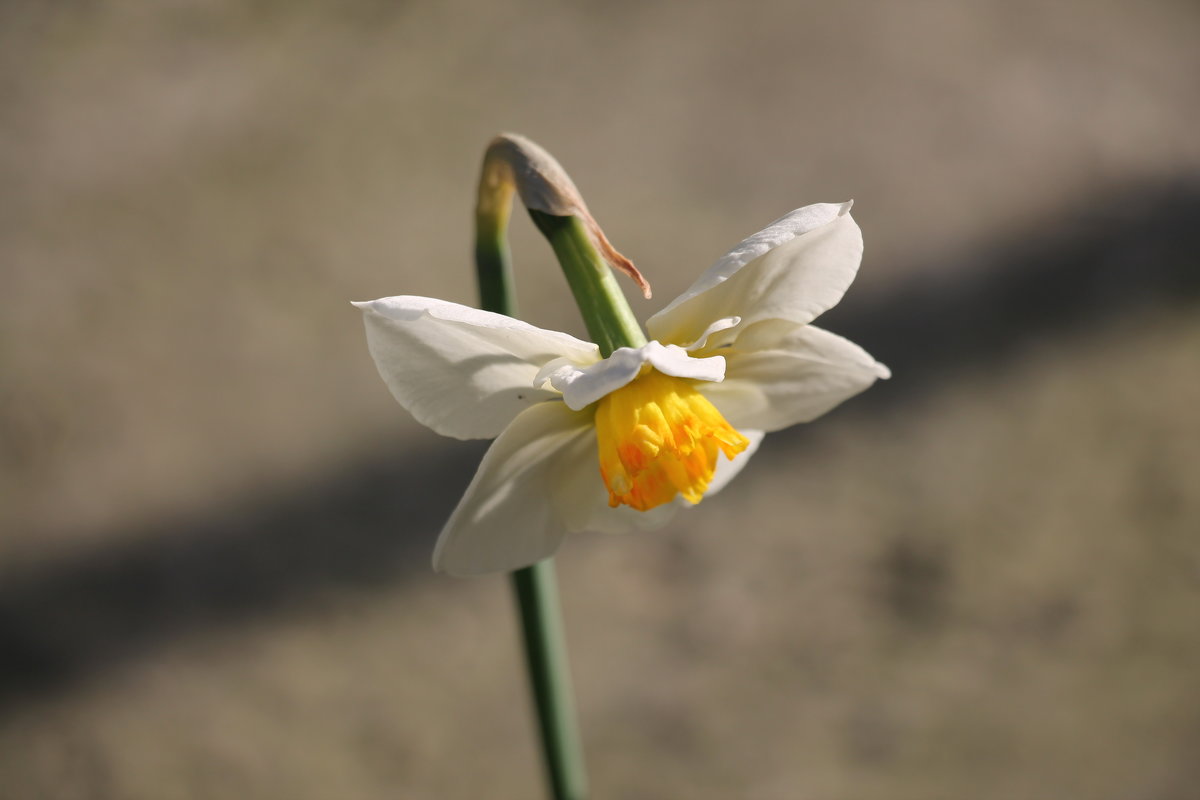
(659, 437)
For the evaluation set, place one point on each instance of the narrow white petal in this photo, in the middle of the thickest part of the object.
(582, 386)
(798, 378)
(509, 517)
(676, 361)
(720, 326)
(463, 372)
(795, 269)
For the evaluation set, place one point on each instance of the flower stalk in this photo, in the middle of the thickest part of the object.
(493, 262)
(545, 645)
(619, 433)
(513, 164)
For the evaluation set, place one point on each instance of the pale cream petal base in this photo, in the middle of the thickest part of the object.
(582, 386)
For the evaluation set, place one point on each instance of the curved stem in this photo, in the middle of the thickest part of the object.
(535, 587)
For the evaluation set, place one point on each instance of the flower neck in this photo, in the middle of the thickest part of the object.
(606, 313)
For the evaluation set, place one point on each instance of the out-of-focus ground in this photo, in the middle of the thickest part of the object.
(981, 579)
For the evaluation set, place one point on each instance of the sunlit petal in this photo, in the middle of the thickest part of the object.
(795, 269)
(506, 520)
(463, 372)
(582, 386)
(802, 375)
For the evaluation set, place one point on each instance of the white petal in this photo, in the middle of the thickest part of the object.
(463, 372)
(674, 360)
(795, 269)
(624, 519)
(508, 517)
(802, 375)
(583, 386)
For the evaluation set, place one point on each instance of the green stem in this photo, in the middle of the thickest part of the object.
(609, 320)
(550, 676)
(535, 587)
(493, 265)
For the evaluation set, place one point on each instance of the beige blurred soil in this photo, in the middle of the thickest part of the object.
(988, 587)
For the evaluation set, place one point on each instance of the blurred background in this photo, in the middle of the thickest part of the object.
(979, 579)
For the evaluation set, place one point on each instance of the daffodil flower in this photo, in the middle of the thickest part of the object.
(620, 443)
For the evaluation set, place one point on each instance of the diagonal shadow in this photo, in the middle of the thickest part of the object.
(370, 525)
(1137, 248)
(373, 524)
